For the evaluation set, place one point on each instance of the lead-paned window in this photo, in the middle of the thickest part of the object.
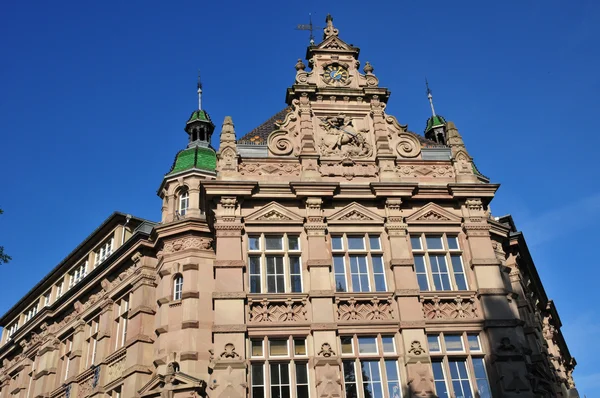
(438, 262)
(275, 264)
(279, 368)
(458, 365)
(358, 263)
(370, 366)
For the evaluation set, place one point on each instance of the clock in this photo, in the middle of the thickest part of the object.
(335, 73)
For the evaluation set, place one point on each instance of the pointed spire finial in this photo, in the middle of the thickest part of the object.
(329, 29)
(430, 97)
(199, 91)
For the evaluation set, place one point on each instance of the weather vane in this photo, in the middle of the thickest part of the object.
(310, 27)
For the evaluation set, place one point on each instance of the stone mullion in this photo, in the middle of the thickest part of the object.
(412, 322)
(229, 328)
(505, 333)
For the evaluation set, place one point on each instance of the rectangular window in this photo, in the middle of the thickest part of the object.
(275, 264)
(279, 370)
(59, 289)
(92, 341)
(77, 274)
(458, 365)
(65, 356)
(438, 262)
(12, 329)
(358, 263)
(31, 312)
(47, 299)
(104, 251)
(373, 372)
(122, 312)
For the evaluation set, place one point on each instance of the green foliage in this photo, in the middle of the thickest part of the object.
(4, 258)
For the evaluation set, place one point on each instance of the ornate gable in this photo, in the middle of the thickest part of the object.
(432, 213)
(274, 213)
(166, 386)
(355, 213)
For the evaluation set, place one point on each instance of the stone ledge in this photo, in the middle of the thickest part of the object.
(186, 295)
(136, 369)
(229, 328)
(193, 267)
(502, 323)
(163, 300)
(141, 309)
(321, 293)
(412, 324)
(164, 272)
(75, 354)
(319, 263)
(162, 329)
(229, 264)
(139, 338)
(324, 326)
(493, 262)
(402, 262)
(49, 371)
(407, 292)
(190, 325)
(492, 292)
(189, 356)
(229, 295)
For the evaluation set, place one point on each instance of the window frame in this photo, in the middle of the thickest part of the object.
(121, 310)
(346, 254)
(177, 287)
(447, 253)
(183, 197)
(262, 255)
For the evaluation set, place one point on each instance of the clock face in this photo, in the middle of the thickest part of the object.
(335, 73)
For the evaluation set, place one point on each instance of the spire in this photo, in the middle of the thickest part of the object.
(199, 91)
(430, 97)
(329, 29)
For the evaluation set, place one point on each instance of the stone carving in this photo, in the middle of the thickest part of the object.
(408, 146)
(108, 286)
(329, 384)
(229, 352)
(342, 139)
(416, 348)
(92, 300)
(280, 143)
(281, 169)
(273, 215)
(85, 387)
(449, 308)
(326, 350)
(433, 216)
(364, 309)
(189, 242)
(349, 169)
(416, 171)
(354, 215)
(420, 382)
(116, 368)
(277, 311)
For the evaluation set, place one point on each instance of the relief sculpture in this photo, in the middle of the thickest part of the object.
(342, 138)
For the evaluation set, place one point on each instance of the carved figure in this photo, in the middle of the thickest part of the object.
(326, 350)
(342, 138)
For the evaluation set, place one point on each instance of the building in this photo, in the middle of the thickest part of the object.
(330, 252)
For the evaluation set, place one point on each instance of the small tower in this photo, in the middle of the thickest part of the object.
(435, 130)
(180, 189)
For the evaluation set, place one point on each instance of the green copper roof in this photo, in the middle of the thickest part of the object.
(197, 157)
(435, 121)
(199, 115)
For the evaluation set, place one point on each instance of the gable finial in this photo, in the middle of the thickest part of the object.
(430, 97)
(329, 29)
(199, 85)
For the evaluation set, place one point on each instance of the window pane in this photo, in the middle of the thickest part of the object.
(257, 375)
(278, 347)
(254, 243)
(438, 376)
(356, 243)
(453, 243)
(378, 274)
(434, 343)
(453, 342)
(434, 242)
(340, 274)
(388, 344)
(374, 242)
(481, 378)
(350, 379)
(336, 243)
(293, 243)
(273, 242)
(393, 381)
(295, 275)
(257, 348)
(367, 345)
(421, 272)
(459, 273)
(299, 347)
(473, 340)
(415, 242)
(346, 344)
(301, 373)
(439, 269)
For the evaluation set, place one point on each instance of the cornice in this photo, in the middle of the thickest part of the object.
(229, 188)
(317, 189)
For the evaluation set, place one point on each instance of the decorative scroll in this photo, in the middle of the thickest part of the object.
(367, 309)
(277, 311)
(408, 146)
(279, 143)
(449, 307)
(116, 368)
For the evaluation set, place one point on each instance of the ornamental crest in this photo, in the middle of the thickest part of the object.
(343, 136)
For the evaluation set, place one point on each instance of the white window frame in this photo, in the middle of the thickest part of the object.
(286, 255)
(177, 287)
(447, 254)
(183, 202)
(104, 251)
(367, 253)
(122, 314)
(77, 274)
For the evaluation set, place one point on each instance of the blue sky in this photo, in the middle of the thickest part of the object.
(94, 97)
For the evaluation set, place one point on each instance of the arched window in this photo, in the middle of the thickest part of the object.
(184, 202)
(177, 287)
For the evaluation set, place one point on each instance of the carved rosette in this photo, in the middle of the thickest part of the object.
(277, 310)
(367, 309)
(459, 307)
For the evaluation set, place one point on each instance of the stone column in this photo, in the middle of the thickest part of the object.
(309, 156)
(385, 157)
(412, 323)
(194, 190)
(45, 376)
(504, 330)
(228, 366)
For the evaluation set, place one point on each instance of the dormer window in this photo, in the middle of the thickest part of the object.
(184, 202)
(31, 313)
(77, 274)
(104, 251)
(12, 329)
